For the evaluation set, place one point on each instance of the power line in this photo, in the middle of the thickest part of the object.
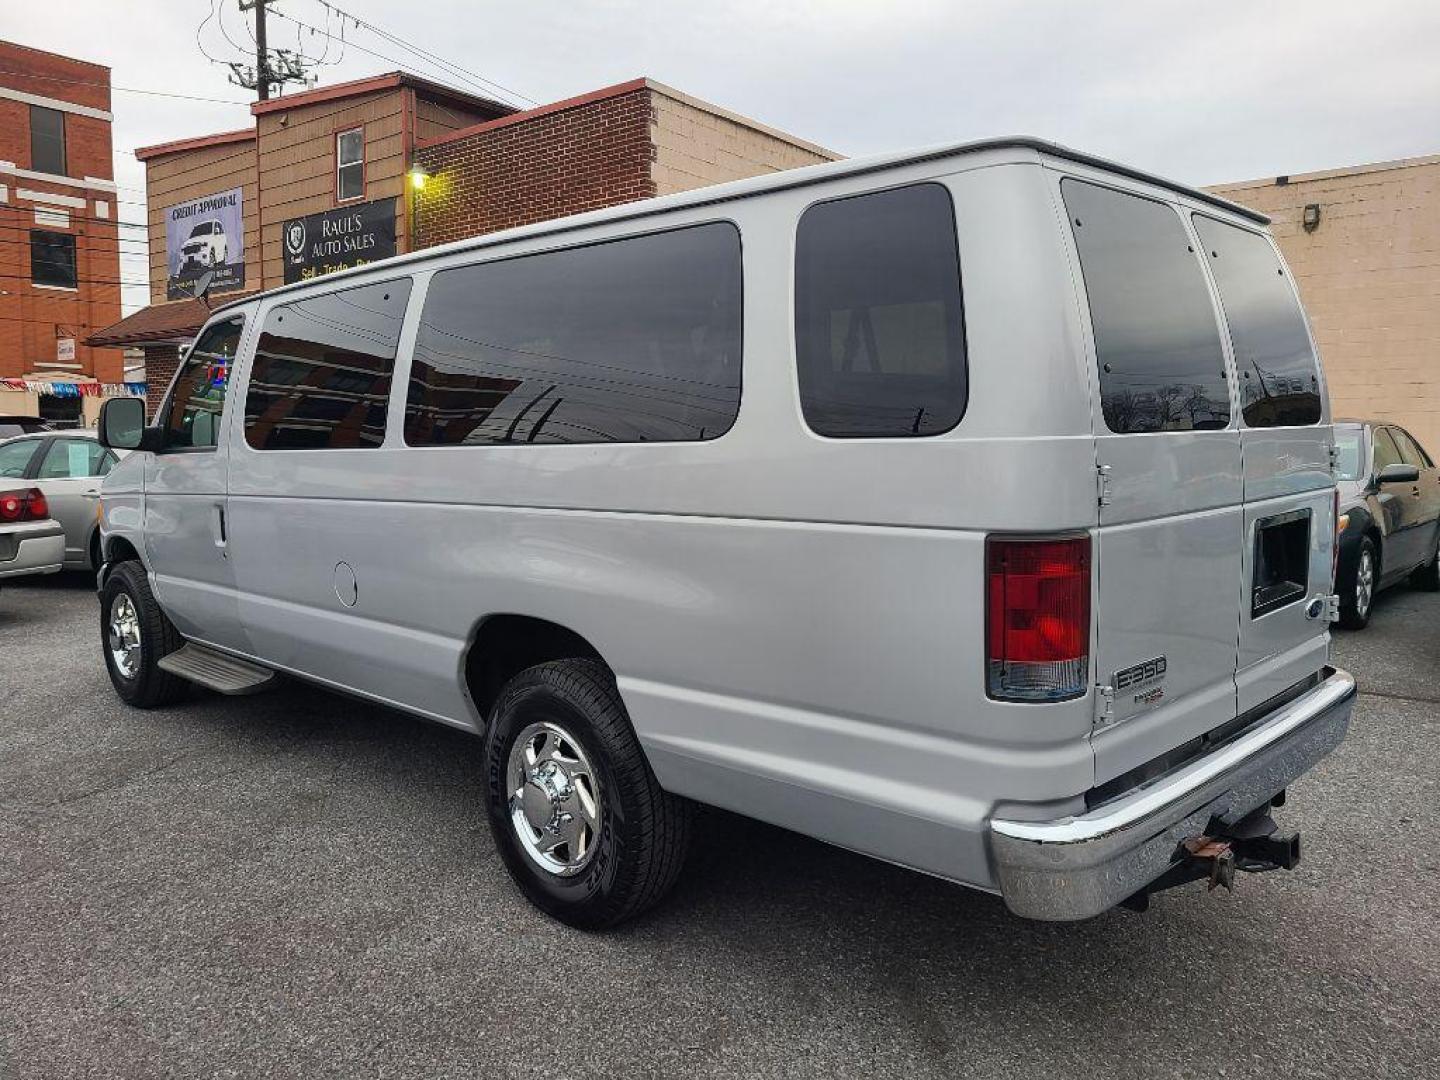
(392, 60)
(435, 58)
(121, 89)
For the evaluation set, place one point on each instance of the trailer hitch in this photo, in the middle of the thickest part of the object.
(1252, 845)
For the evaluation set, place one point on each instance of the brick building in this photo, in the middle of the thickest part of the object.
(631, 141)
(320, 183)
(1367, 261)
(59, 248)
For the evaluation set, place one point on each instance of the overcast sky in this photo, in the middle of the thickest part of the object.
(1205, 93)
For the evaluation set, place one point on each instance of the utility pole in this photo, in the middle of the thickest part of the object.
(272, 68)
(262, 54)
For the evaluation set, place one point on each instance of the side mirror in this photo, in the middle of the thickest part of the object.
(122, 425)
(1398, 474)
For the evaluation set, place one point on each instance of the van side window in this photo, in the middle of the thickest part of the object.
(196, 402)
(633, 340)
(1157, 339)
(879, 323)
(1279, 376)
(321, 376)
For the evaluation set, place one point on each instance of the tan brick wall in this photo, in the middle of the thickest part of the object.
(1370, 280)
(697, 143)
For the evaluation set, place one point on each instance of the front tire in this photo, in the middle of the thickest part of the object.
(1357, 595)
(134, 635)
(582, 824)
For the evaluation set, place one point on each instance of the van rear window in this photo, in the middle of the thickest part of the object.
(321, 376)
(634, 340)
(1157, 339)
(879, 330)
(1276, 365)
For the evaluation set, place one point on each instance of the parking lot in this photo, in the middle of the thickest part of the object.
(297, 884)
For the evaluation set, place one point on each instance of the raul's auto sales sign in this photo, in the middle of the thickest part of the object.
(339, 239)
(205, 234)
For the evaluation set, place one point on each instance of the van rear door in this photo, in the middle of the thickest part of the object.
(1168, 559)
(1285, 440)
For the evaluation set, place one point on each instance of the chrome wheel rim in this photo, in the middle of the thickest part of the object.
(1364, 583)
(124, 636)
(554, 801)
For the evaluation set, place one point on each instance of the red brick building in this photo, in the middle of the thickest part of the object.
(332, 163)
(59, 252)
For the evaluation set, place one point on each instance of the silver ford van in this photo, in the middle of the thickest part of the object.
(972, 509)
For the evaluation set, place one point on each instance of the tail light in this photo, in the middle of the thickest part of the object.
(23, 506)
(1037, 618)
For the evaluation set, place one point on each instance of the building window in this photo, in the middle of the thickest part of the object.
(350, 165)
(52, 259)
(47, 140)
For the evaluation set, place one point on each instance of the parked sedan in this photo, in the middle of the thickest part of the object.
(30, 543)
(67, 468)
(1389, 515)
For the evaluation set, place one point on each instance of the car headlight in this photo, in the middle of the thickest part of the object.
(1342, 523)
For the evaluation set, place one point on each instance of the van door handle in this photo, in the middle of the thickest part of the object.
(90, 494)
(217, 524)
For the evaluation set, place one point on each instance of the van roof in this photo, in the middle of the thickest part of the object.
(779, 181)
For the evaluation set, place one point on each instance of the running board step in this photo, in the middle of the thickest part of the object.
(222, 673)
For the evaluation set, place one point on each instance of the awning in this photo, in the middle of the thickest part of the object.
(175, 322)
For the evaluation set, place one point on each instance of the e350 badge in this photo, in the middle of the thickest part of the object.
(1140, 676)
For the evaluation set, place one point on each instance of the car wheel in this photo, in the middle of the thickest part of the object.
(1427, 577)
(581, 822)
(1357, 595)
(134, 635)
(95, 551)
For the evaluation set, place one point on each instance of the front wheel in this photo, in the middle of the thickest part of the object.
(134, 635)
(581, 822)
(1357, 595)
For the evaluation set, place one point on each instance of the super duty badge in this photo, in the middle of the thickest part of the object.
(1132, 678)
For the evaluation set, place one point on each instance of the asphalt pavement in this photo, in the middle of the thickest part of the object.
(295, 884)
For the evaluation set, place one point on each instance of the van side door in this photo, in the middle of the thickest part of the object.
(185, 491)
(1285, 440)
(1168, 546)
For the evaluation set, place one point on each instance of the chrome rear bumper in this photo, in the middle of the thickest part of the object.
(1079, 866)
(34, 548)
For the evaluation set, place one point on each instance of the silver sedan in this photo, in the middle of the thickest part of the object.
(68, 467)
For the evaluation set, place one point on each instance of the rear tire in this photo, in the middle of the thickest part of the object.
(1427, 577)
(561, 759)
(1357, 592)
(134, 635)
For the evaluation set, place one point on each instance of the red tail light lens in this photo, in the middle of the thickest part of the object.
(1038, 618)
(23, 506)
